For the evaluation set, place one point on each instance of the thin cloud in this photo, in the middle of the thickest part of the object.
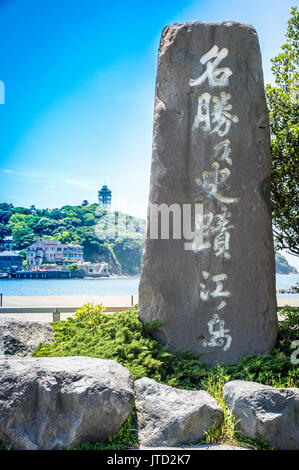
(79, 184)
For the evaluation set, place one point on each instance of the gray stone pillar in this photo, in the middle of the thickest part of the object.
(215, 290)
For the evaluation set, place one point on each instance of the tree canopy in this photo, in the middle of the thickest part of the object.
(112, 237)
(283, 104)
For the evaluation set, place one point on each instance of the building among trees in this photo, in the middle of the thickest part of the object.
(53, 251)
(7, 242)
(9, 260)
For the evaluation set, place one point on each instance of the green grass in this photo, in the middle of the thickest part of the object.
(2, 447)
(124, 338)
(226, 431)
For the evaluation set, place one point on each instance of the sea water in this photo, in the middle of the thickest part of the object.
(104, 286)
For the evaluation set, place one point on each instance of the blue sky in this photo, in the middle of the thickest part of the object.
(79, 87)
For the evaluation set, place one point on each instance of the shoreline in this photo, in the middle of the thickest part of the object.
(67, 300)
(113, 276)
(81, 299)
(55, 301)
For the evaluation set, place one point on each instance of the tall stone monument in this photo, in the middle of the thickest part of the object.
(215, 290)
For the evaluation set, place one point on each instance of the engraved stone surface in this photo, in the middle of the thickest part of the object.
(215, 290)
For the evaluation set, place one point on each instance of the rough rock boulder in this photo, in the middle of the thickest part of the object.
(265, 412)
(22, 337)
(59, 403)
(168, 416)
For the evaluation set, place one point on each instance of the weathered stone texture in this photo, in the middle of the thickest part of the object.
(58, 403)
(21, 337)
(264, 412)
(185, 160)
(168, 416)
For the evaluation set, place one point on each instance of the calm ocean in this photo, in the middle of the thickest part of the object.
(121, 286)
(115, 286)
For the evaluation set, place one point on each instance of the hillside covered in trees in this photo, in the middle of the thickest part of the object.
(282, 266)
(112, 237)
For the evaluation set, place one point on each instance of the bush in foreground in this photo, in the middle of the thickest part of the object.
(124, 338)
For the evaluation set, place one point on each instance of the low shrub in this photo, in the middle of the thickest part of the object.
(124, 338)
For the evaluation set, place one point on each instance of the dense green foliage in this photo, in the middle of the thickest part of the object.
(283, 104)
(112, 237)
(115, 238)
(124, 338)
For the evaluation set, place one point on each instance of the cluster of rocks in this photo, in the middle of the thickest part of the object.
(61, 402)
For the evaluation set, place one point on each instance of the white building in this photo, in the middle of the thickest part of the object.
(53, 251)
(7, 242)
(95, 269)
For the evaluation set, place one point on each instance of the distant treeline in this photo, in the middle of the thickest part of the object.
(112, 237)
(282, 266)
(115, 237)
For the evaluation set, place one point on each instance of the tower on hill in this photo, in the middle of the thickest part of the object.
(105, 196)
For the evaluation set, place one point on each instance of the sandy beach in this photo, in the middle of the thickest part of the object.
(107, 300)
(79, 300)
(293, 301)
(66, 300)
(61, 301)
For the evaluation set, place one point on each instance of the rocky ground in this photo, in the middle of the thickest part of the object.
(62, 402)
